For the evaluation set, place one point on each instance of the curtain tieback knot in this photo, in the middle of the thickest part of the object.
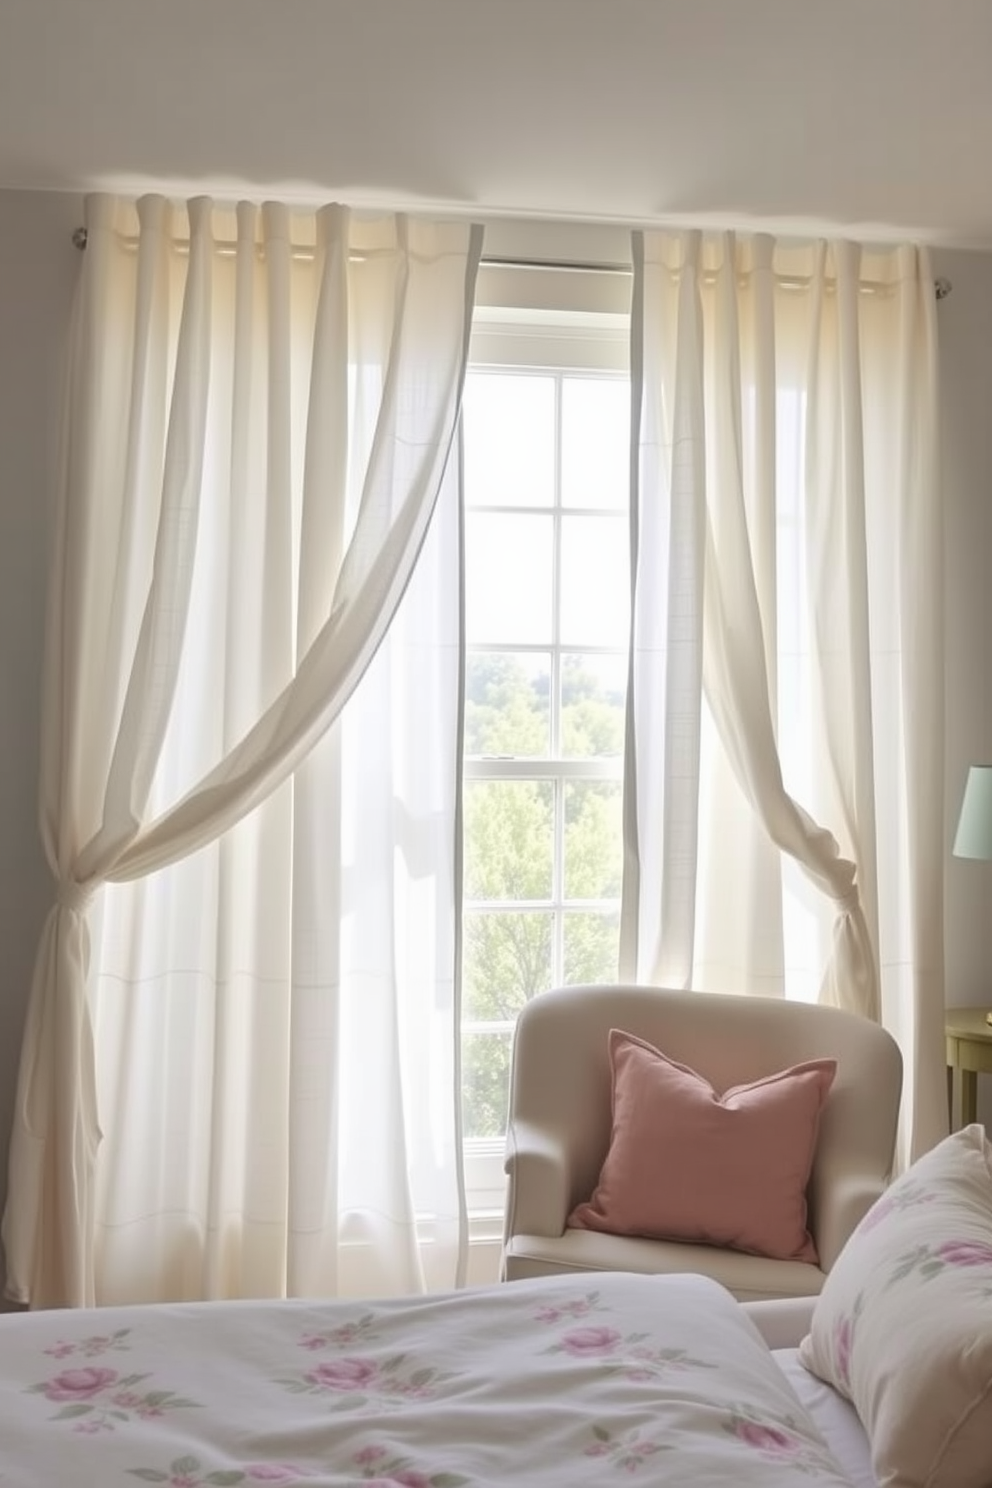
(846, 904)
(73, 895)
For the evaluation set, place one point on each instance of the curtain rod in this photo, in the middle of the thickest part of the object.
(942, 286)
(80, 237)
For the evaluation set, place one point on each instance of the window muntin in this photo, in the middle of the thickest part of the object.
(547, 618)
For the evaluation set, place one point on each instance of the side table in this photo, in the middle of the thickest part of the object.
(969, 1051)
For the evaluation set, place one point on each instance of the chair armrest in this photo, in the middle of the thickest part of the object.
(782, 1323)
(841, 1203)
(538, 1166)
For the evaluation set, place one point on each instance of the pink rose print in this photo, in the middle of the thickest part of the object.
(398, 1377)
(578, 1307)
(105, 1398)
(369, 1455)
(629, 1451)
(381, 1470)
(344, 1374)
(928, 1261)
(100, 1343)
(766, 1438)
(127, 1400)
(343, 1336)
(651, 1362)
(79, 1384)
(190, 1472)
(584, 1343)
(905, 1198)
(876, 1214)
(843, 1341)
(966, 1253)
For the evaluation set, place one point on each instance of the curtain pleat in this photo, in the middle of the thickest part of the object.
(764, 374)
(256, 442)
(256, 601)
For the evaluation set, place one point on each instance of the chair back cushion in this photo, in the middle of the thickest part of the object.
(562, 1081)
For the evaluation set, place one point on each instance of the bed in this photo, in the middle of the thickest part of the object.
(582, 1378)
(570, 1380)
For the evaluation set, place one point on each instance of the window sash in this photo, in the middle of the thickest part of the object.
(597, 347)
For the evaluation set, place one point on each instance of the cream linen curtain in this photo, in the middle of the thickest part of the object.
(786, 685)
(257, 433)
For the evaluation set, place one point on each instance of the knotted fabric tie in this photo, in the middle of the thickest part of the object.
(73, 895)
(847, 903)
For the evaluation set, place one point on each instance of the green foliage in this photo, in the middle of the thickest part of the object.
(591, 942)
(509, 840)
(485, 1083)
(507, 959)
(592, 720)
(505, 713)
(593, 839)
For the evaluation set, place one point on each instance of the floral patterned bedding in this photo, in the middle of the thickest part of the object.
(577, 1380)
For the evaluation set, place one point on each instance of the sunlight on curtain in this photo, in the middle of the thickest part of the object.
(786, 682)
(275, 1016)
(261, 410)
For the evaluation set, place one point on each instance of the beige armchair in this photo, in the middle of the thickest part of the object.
(560, 1123)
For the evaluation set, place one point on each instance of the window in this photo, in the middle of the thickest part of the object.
(546, 441)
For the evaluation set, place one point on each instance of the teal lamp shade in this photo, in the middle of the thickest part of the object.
(974, 835)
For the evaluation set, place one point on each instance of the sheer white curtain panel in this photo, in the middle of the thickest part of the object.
(787, 604)
(261, 411)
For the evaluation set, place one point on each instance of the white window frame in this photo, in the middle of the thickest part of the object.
(563, 322)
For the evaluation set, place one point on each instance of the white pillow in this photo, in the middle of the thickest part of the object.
(903, 1325)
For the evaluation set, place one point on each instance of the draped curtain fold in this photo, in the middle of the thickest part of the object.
(258, 431)
(785, 675)
(252, 699)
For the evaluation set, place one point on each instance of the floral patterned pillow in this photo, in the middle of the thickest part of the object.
(903, 1325)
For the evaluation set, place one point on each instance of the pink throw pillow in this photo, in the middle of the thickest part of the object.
(686, 1163)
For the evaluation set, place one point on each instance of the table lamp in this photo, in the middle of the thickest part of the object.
(974, 835)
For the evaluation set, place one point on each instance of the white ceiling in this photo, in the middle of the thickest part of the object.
(871, 115)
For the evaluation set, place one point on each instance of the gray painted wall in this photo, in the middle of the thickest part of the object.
(38, 267)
